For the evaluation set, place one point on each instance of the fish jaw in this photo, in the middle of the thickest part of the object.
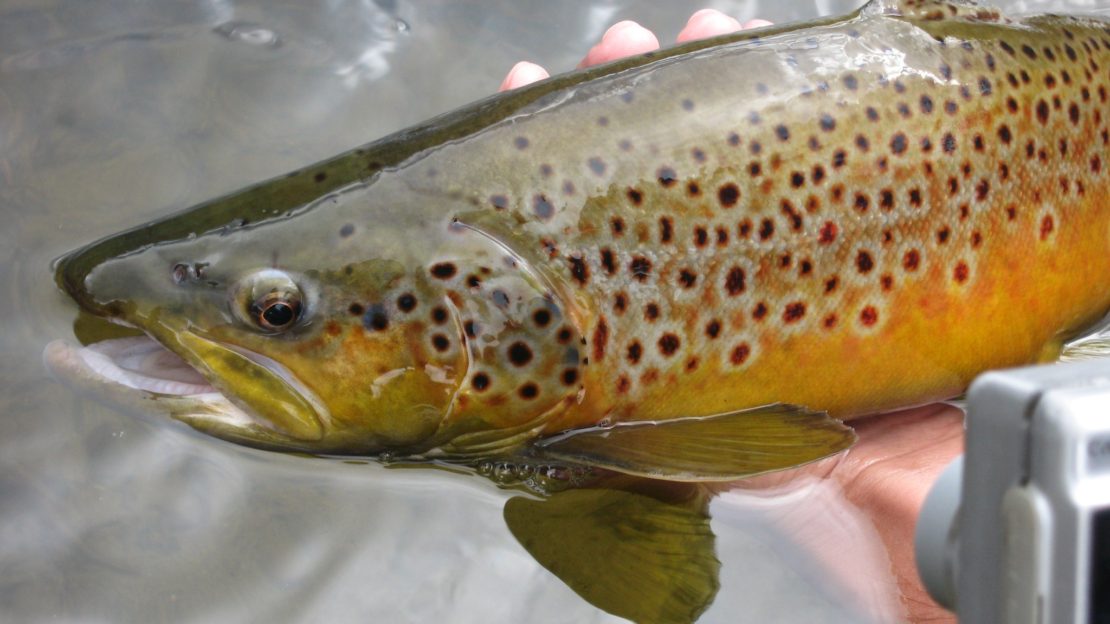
(140, 374)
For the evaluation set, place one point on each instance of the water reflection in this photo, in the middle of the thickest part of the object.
(113, 112)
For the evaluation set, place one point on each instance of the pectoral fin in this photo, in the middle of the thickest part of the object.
(1092, 347)
(626, 553)
(714, 448)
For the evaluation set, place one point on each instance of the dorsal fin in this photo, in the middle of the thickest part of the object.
(936, 10)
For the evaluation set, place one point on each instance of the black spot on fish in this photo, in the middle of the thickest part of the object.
(728, 195)
(406, 302)
(666, 176)
(578, 269)
(443, 270)
(898, 143)
(635, 352)
(519, 354)
(766, 229)
(668, 344)
(375, 318)
(608, 261)
(597, 165)
(734, 281)
(570, 376)
(541, 317)
(529, 391)
(794, 312)
(542, 207)
(864, 262)
(347, 230)
(480, 381)
(320, 176)
(521, 142)
(713, 329)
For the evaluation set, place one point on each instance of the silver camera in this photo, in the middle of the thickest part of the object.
(1018, 529)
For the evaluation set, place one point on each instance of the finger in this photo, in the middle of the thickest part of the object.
(708, 23)
(622, 39)
(756, 23)
(521, 74)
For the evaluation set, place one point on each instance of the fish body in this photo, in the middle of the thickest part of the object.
(852, 215)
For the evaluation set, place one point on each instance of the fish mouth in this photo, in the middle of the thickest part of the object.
(142, 373)
(138, 363)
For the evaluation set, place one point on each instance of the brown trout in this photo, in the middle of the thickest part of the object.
(686, 264)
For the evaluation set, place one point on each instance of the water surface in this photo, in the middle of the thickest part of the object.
(114, 112)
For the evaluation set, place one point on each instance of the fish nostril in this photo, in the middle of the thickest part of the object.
(180, 273)
(183, 272)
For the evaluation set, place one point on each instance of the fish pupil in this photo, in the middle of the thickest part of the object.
(279, 314)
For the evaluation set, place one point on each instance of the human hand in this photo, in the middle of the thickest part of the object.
(898, 457)
(628, 38)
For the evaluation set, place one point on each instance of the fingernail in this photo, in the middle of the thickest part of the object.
(523, 73)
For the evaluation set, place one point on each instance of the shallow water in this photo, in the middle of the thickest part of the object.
(116, 112)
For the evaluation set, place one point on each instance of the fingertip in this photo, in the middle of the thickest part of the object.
(624, 38)
(708, 23)
(523, 73)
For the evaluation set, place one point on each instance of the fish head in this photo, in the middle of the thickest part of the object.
(334, 328)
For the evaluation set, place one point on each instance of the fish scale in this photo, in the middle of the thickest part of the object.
(852, 215)
(877, 222)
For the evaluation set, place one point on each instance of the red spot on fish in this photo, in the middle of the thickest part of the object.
(911, 260)
(740, 353)
(1047, 225)
(960, 273)
(869, 316)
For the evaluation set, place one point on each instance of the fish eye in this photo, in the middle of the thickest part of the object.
(269, 300)
(275, 312)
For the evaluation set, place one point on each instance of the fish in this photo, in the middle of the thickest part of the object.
(692, 265)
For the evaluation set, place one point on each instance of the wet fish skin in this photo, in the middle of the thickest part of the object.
(853, 215)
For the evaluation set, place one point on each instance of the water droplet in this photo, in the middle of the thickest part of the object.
(503, 472)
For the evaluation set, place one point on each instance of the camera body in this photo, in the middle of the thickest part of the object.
(1023, 534)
